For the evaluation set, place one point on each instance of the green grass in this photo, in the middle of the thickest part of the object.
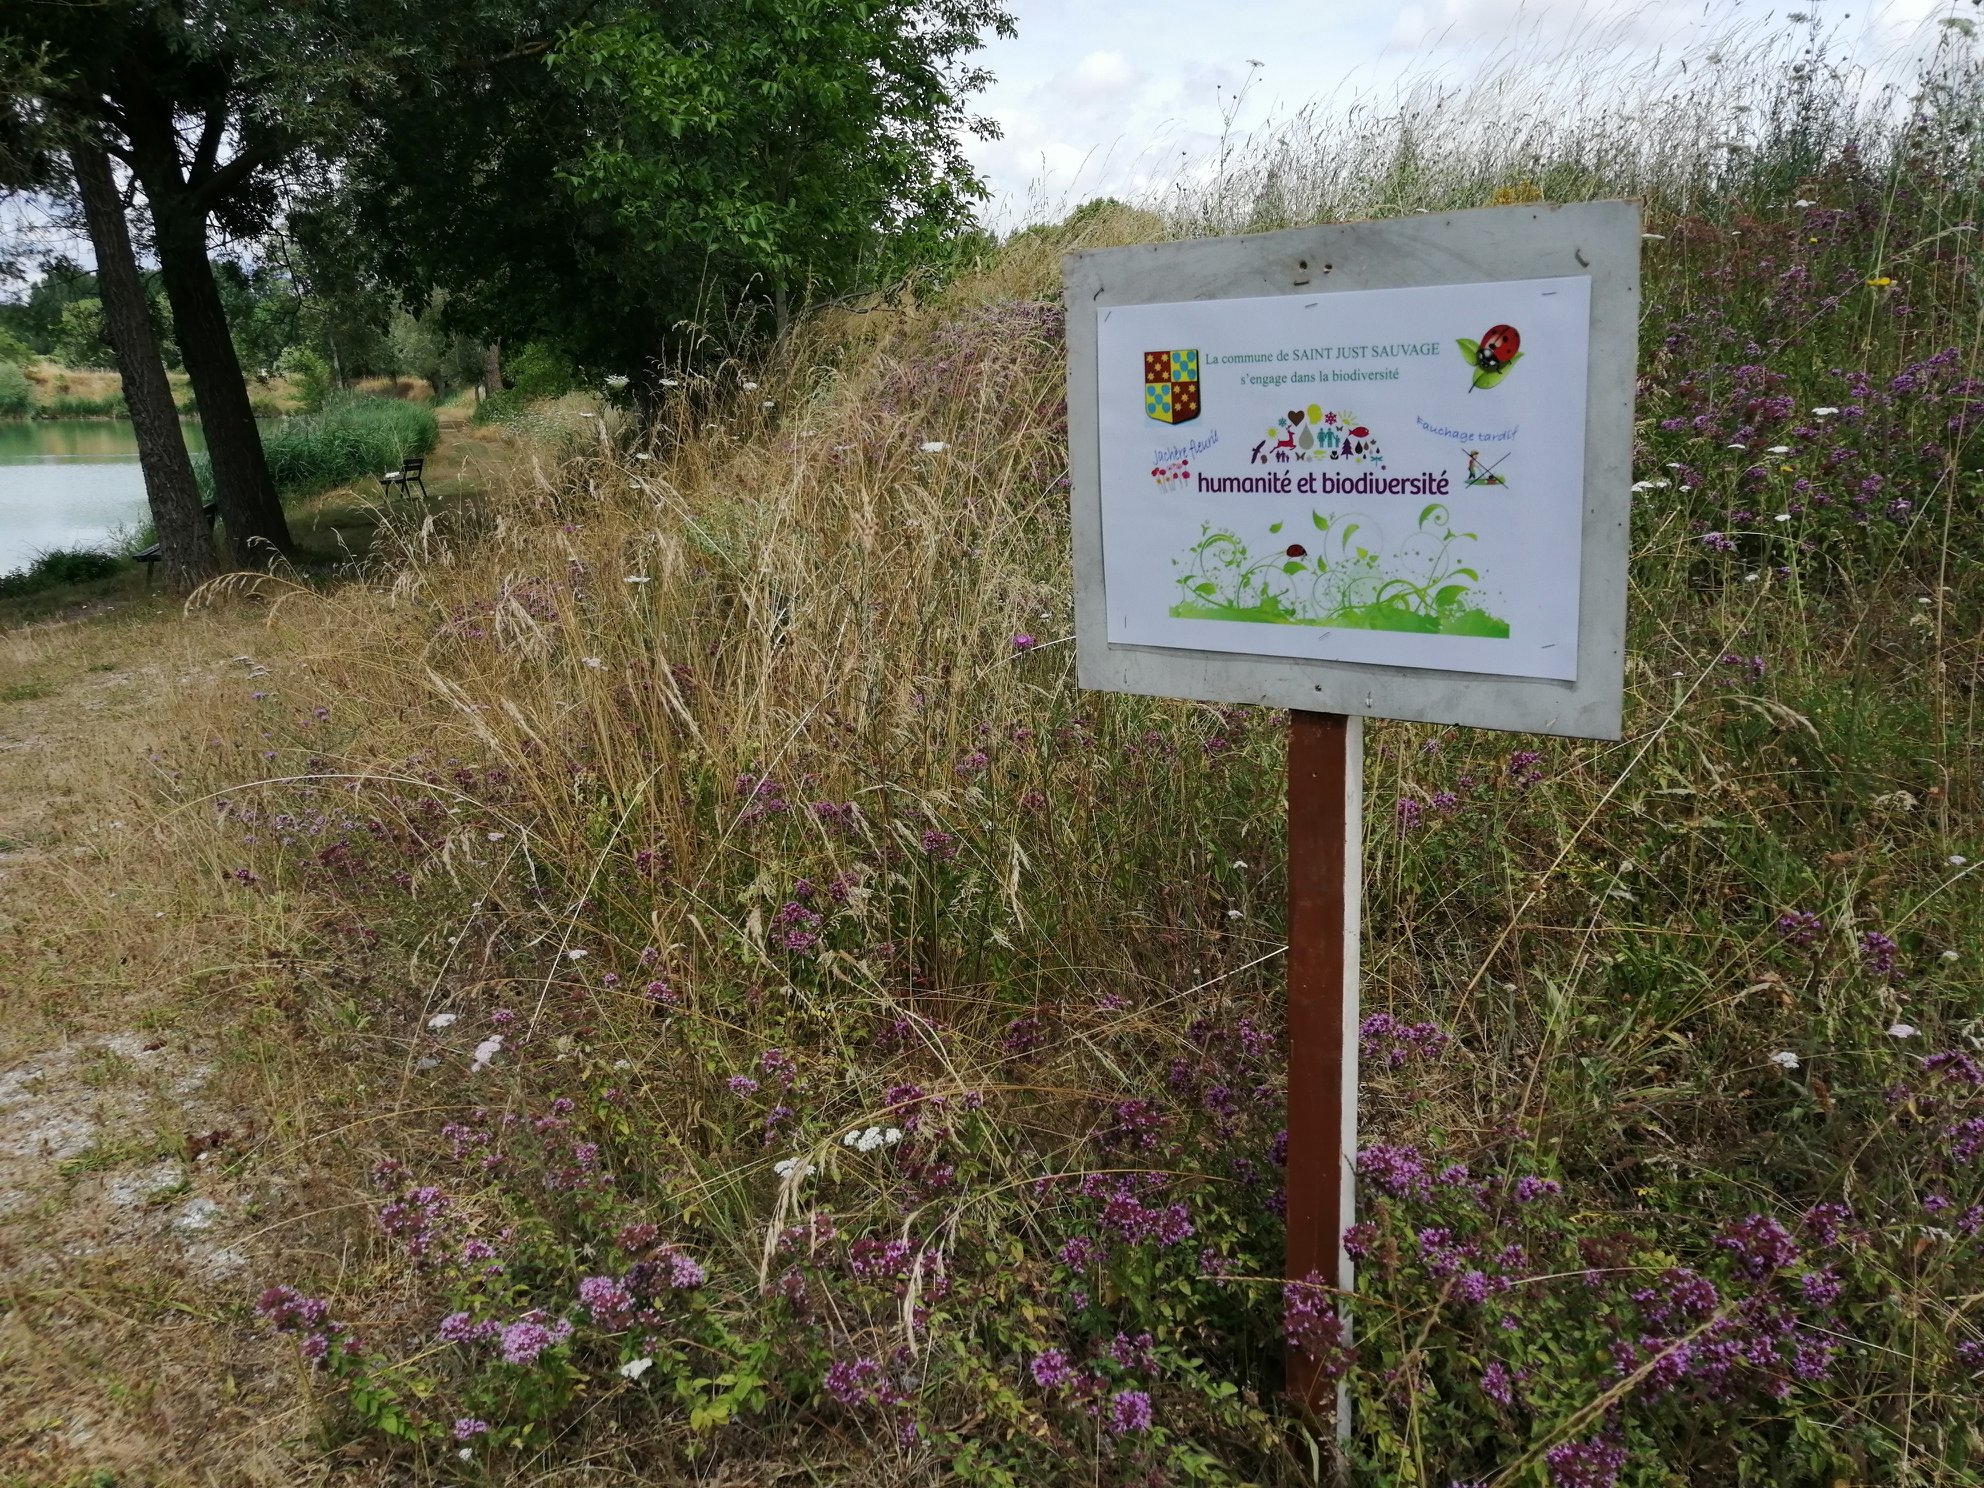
(352, 438)
(70, 405)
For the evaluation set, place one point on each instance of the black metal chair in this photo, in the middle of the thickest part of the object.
(409, 471)
(150, 556)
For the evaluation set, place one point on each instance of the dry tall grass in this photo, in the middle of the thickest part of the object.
(726, 801)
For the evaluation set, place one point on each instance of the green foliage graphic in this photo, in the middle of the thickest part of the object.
(1421, 588)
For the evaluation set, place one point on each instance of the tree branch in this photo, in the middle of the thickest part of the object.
(216, 187)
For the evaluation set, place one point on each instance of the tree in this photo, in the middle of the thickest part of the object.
(699, 165)
(186, 550)
(80, 339)
(32, 141)
(161, 75)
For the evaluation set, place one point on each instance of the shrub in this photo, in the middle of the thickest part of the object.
(16, 392)
(541, 371)
(56, 567)
(310, 374)
(499, 408)
(75, 405)
(352, 438)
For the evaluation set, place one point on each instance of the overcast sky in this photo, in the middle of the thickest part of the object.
(1100, 97)
(1117, 97)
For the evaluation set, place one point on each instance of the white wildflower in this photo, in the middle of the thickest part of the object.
(1903, 1031)
(633, 1369)
(1779, 449)
(933, 446)
(496, 836)
(750, 387)
(670, 382)
(785, 1167)
(771, 402)
(1782, 517)
(575, 954)
(594, 662)
(1650, 485)
(642, 455)
(587, 413)
(1824, 412)
(1239, 862)
(1804, 201)
(1736, 446)
(443, 1020)
(1749, 578)
(1654, 237)
(616, 382)
(635, 579)
(1957, 860)
(1949, 955)
(485, 1051)
(1784, 1059)
(871, 1138)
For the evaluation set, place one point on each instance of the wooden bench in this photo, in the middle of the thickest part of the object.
(409, 471)
(150, 556)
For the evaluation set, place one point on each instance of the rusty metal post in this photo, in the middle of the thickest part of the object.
(1325, 832)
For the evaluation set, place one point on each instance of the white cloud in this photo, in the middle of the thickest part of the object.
(1101, 76)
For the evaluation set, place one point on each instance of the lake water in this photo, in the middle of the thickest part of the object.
(70, 483)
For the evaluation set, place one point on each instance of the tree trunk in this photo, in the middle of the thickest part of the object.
(256, 530)
(492, 369)
(185, 542)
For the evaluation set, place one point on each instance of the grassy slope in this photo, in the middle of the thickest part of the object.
(1038, 905)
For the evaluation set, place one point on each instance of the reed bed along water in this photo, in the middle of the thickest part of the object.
(757, 1016)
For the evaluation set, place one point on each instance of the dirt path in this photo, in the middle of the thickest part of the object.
(143, 1202)
(128, 1190)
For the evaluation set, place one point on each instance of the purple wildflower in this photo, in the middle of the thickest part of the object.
(525, 1339)
(1878, 951)
(854, 1382)
(1586, 1464)
(608, 1302)
(1129, 1413)
(1051, 1370)
(1759, 1244)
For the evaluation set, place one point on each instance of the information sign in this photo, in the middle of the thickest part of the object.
(1380, 468)
(1374, 470)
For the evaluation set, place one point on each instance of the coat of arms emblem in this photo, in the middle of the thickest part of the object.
(1171, 386)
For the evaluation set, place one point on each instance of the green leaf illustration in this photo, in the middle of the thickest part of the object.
(1468, 348)
(1486, 380)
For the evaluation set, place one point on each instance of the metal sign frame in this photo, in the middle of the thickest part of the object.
(1600, 240)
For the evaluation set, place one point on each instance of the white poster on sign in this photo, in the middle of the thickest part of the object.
(1386, 476)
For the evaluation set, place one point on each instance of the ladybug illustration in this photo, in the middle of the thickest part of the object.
(1499, 345)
